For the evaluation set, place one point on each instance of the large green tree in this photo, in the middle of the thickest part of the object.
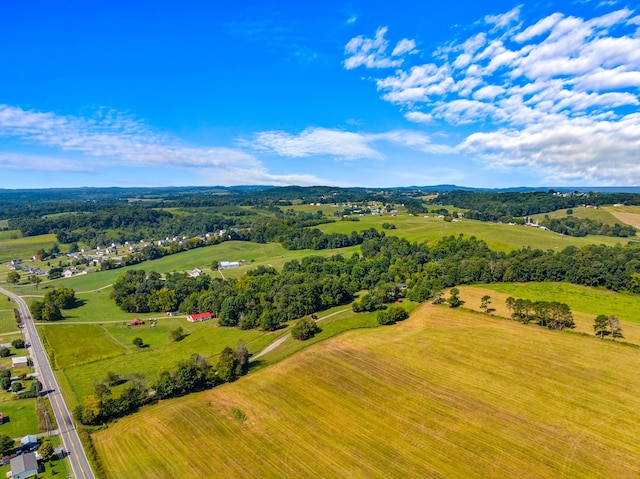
(305, 328)
(6, 445)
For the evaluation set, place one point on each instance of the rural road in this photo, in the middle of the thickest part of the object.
(70, 439)
(281, 340)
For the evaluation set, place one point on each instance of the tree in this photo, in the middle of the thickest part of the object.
(485, 301)
(18, 343)
(5, 383)
(454, 298)
(226, 366)
(176, 334)
(4, 352)
(615, 328)
(242, 356)
(13, 277)
(63, 298)
(46, 451)
(601, 325)
(392, 315)
(16, 386)
(6, 445)
(166, 385)
(36, 386)
(305, 328)
(137, 341)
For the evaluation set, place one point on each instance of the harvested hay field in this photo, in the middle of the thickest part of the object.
(446, 393)
(632, 219)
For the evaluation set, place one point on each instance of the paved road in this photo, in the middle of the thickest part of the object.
(70, 440)
(281, 340)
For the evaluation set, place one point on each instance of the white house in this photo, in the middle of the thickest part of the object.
(19, 361)
(228, 264)
(195, 272)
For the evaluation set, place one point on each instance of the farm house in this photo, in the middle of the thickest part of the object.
(193, 318)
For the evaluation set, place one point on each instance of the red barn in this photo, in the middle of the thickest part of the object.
(136, 322)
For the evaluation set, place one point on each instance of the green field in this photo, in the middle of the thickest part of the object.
(13, 246)
(602, 215)
(626, 306)
(85, 353)
(500, 237)
(7, 321)
(585, 303)
(254, 254)
(447, 393)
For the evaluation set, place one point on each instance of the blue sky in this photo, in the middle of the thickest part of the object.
(358, 93)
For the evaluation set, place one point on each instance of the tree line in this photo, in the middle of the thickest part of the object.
(387, 267)
(506, 206)
(572, 226)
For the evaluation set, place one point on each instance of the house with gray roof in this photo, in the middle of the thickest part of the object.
(23, 466)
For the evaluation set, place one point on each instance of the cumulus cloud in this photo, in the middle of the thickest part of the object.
(557, 93)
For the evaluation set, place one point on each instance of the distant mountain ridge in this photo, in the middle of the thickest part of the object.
(96, 193)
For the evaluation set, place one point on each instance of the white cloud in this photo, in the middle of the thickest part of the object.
(404, 46)
(112, 139)
(552, 92)
(504, 19)
(372, 52)
(489, 92)
(580, 149)
(17, 161)
(342, 144)
(543, 26)
(112, 136)
(316, 141)
(419, 117)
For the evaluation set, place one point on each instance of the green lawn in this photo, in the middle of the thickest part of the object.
(20, 415)
(7, 321)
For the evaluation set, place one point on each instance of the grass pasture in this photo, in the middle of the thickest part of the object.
(501, 237)
(447, 393)
(109, 347)
(602, 215)
(79, 344)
